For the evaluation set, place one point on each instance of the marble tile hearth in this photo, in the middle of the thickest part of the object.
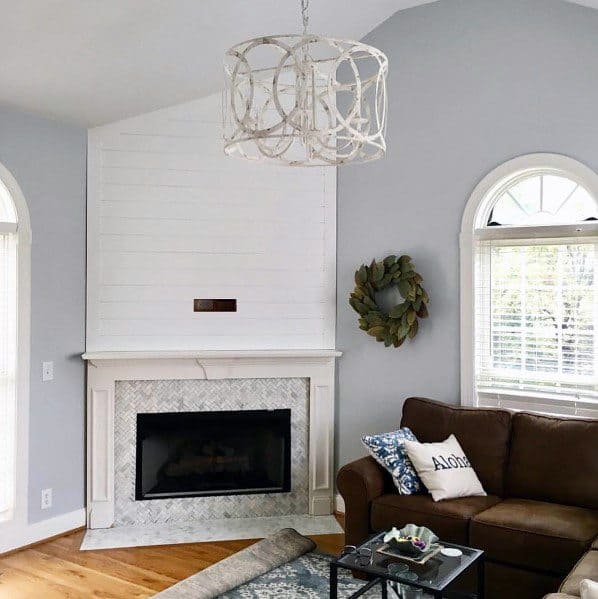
(205, 531)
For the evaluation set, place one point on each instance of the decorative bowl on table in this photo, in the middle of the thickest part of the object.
(411, 540)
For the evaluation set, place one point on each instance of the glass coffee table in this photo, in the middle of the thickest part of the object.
(433, 577)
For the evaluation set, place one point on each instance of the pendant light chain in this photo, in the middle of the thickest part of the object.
(305, 15)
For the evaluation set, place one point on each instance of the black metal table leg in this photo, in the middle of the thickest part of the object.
(481, 582)
(333, 581)
(384, 589)
(364, 589)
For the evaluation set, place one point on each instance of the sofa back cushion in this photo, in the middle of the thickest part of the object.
(554, 459)
(483, 434)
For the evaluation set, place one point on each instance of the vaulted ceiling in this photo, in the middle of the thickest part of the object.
(95, 61)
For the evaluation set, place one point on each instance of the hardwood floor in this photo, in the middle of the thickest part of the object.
(57, 569)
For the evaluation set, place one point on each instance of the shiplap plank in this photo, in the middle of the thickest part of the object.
(197, 210)
(174, 341)
(201, 261)
(206, 156)
(231, 228)
(210, 245)
(151, 276)
(212, 325)
(296, 199)
(156, 143)
(210, 178)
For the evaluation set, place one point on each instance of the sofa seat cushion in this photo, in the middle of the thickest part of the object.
(586, 568)
(449, 519)
(545, 536)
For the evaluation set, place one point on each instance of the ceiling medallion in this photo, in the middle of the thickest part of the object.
(305, 100)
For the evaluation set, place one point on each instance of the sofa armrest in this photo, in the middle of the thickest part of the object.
(595, 543)
(360, 482)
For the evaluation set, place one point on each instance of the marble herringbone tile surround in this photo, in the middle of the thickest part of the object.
(132, 397)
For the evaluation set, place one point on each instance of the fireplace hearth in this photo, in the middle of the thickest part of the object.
(200, 454)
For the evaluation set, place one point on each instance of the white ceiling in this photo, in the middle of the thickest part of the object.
(96, 61)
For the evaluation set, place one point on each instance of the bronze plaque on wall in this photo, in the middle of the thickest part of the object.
(214, 305)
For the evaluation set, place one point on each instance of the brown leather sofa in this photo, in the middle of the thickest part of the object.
(541, 512)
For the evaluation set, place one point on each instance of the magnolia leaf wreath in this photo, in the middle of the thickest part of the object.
(401, 321)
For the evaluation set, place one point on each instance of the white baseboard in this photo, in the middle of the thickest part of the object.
(38, 531)
(339, 504)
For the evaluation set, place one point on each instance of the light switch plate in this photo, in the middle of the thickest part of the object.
(47, 371)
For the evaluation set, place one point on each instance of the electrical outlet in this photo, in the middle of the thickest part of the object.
(46, 499)
(47, 371)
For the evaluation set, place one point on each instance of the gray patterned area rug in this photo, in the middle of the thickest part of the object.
(282, 565)
(306, 577)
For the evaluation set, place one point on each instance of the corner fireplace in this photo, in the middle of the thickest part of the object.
(198, 454)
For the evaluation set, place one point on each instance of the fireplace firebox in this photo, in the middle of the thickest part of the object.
(191, 454)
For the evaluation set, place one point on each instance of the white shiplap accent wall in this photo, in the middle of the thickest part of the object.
(171, 218)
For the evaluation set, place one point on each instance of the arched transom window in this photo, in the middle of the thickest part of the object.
(543, 199)
(530, 282)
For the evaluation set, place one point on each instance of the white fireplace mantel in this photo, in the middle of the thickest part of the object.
(258, 353)
(106, 367)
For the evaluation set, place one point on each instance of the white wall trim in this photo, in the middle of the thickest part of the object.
(16, 528)
(476, 215)
(339, 504)
(39, 531)
(92, 266)
(101, 379)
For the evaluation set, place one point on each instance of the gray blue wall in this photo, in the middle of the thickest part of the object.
(472, 84)
(48, 161)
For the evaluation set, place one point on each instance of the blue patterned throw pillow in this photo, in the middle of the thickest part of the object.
(389, 451)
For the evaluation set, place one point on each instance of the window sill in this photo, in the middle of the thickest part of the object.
(551, 404)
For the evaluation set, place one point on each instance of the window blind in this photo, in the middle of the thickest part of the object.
(536, 317)
(8, 337)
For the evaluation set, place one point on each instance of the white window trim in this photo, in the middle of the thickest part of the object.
(475, 216)
(14, 532)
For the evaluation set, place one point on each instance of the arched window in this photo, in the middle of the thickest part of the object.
(14, 349)
(529, 278)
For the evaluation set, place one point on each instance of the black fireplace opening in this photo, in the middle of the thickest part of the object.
(193, 454)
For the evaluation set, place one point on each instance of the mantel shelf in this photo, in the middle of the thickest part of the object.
(211, 354)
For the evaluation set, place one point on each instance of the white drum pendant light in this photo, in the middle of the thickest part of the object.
(305, 100)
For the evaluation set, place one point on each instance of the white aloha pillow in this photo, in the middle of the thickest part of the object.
(588, 589)
(444, 469)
